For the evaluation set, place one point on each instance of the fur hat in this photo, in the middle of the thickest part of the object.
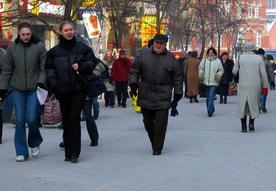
(224, 53)
(249, 46)
(122, 52)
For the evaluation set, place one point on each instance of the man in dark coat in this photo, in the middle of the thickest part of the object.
(158, 73)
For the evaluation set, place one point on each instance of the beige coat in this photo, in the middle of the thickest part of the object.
(252, 77)
(191, 73)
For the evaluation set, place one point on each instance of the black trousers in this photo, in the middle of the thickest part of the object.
(121, 92)
(155, 122)
(71, 106)
(1, 123)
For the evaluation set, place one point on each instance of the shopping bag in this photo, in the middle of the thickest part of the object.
(232, 90)
(51, 113)
(134, 103)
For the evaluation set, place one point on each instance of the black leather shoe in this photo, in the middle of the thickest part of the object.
(156, 153)
(96, 116)
(61, 145)
(94, 144)
(210, 114)
(67, 159)
(74, 159)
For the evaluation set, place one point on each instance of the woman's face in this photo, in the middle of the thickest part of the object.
(211, 53)
(67, 31)
(25, 34)
(224, 57)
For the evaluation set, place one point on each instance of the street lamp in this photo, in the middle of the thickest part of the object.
(240, 43)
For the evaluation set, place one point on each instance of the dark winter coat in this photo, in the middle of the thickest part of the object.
(159, 74)
(226, 77)
(60, 77)
(24, 65)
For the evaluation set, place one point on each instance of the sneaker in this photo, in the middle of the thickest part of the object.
(20, 158)
(35, 151)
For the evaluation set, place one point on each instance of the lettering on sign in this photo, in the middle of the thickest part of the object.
(1, 6)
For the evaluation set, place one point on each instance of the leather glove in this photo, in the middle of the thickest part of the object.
(2, 95)
(265, 91)
(41, 86)
(133, 88)
(174, 104)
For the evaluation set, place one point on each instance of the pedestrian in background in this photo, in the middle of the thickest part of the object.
(226, 78)
(120, 73)
(210, 72)
(270, 76)
(109, 96)
(271, 60)
(252, 81)
(2, 57)
(191, 73)
(24, 70)
(65, 62)
(156, 72)
(182, 61)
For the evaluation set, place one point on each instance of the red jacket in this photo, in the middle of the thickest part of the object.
(120, 69)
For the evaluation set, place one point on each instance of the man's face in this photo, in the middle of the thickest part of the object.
(108, 54)
(159, 47)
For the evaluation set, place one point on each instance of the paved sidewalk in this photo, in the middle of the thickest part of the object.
(200, 154)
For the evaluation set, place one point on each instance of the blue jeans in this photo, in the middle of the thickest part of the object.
(96, 106)
(263, 100)
(26, 107)
(90, 121)
(210, 93)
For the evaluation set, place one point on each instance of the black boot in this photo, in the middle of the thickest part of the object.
(251, 124)
(191, 99)
(221, 99)
(225, 100)
(195, 99)
(243, 123)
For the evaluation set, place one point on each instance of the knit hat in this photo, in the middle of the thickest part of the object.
(261, 51)
(160, 38)
(224, 53)
(249, 46)
(122, 52)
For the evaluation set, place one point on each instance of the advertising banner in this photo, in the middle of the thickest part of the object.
(92, 24)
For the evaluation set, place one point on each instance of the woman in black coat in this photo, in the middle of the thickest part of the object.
(226, 77)
(64, 64)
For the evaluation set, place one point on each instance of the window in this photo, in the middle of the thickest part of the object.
(257, 9)
(270, 4)
(250, 10)
(258, 39)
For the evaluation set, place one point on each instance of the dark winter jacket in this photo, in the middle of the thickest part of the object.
(60, 76)
(159, 74)
(24, 65)
(227, 76)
